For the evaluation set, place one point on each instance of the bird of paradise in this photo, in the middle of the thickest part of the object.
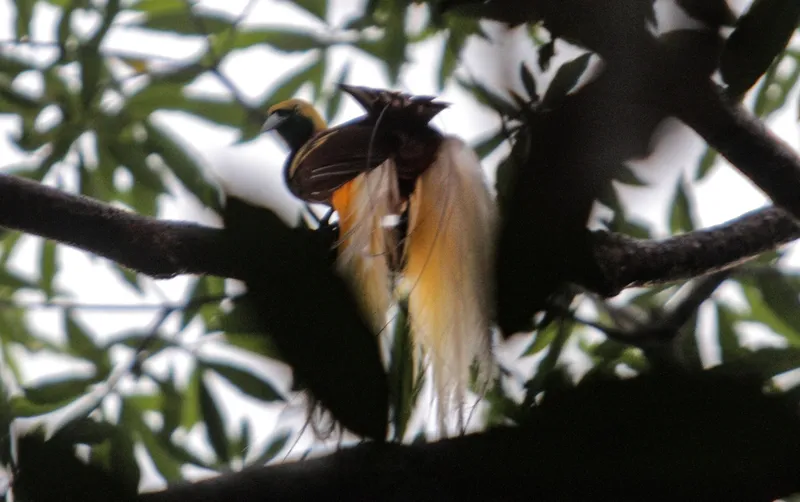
(415, 220)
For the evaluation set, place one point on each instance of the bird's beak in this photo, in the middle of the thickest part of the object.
(272, 122)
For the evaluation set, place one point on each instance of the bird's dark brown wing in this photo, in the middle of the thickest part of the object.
(334, 157)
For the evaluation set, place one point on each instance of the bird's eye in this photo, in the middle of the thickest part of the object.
(283, 112)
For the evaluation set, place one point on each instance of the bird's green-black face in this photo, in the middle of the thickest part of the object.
(295, 121)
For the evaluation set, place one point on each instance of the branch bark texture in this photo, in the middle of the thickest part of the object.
(161, 249)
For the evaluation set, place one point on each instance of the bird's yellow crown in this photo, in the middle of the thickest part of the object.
(302, 108)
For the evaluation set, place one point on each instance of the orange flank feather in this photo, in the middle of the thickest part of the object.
(365, 243)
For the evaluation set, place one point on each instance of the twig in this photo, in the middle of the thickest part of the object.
(662, 328)
(675, 317)
(152, 334)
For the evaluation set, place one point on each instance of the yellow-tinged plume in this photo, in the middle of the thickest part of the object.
(363, 205)
(448, 271)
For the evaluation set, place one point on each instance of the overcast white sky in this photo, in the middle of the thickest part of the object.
(256, 166)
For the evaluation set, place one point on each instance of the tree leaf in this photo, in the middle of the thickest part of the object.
(249, 383)
(85, 430)
(171, 408)
(200, 290)
(182, 164)
(489, 144)
(92, 66)
(12, 281)
(215, 427)
(726, 333)
(335, 100)
(257, 343)
(181, 22)
(451, 54)
(274, 447)
(21, 406)
(160, 6)
(155, 97)
(79, 341)
(782, 298)
(565, 79)
(67, 477)
(241, 444)
(545, 54)
(507, 169)
(528, 82)
(401, 373)
(134, 158)
(766, 362)
(165, 463)
(681, 218)
(706, 162)
(58, 390)
(11, 66)
(711, 12)
(548, 364)
(190, 411)
(542, 339)
(317, 76)
(123, 461)
(47, 267)
(318, 8)
(285, 40)
(179, 453)
(489, 98)
(760, 35)
(776, 87)
(64, 29)
(394, 42)
(23, 20)
(687, 346)
(289, 87)
(65, 137)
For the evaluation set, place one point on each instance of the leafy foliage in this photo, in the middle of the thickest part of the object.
(112, 109)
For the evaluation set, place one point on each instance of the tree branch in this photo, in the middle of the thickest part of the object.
(627, 262)
(163, 249)
(745, 141)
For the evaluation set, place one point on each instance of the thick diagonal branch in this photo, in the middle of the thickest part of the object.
(745, 141)
(674, 79)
